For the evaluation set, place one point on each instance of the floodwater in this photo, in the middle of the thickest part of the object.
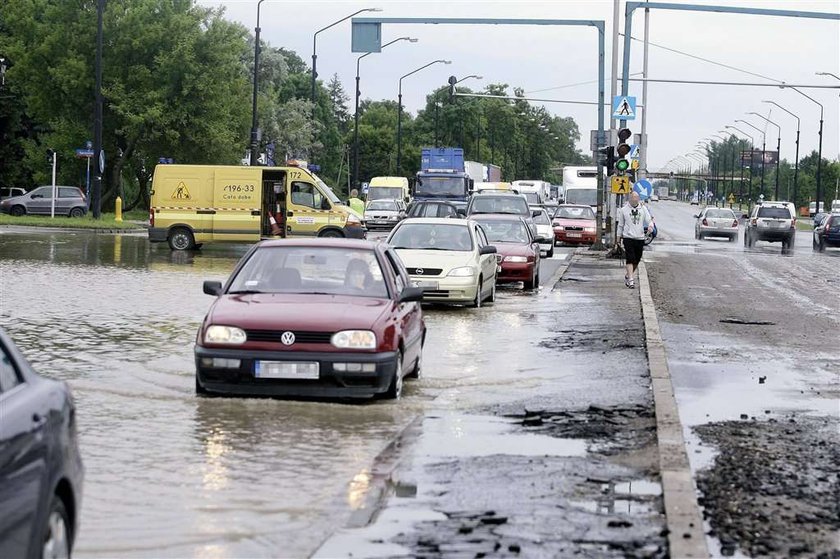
(172, 475)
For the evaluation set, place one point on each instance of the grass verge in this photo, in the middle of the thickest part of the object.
(86, 222)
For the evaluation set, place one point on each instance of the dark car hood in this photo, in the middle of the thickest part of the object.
(314, 313)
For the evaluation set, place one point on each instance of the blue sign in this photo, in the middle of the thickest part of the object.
(84, 153)
(624, 107)
(634, 151)
(644, 188)
(365, 187)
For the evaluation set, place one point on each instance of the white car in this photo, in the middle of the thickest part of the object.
(383, 213)
(544, 230)
(449, 258)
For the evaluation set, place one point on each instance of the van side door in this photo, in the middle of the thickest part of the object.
(236, 214)
(307, 209)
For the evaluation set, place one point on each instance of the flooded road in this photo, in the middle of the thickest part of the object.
(172, 475)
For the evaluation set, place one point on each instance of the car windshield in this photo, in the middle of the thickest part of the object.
(582, 196)
(580, 212)
(383, 205)
(440, 186)
(531, 198)
(327, 190)
(542, 218)
(505, 231)
(722, 213)
(775, 213)
(500, 205)
(427, 236)
(311, 270)
(383, 192)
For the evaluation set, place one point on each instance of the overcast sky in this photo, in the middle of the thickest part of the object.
(540, 58)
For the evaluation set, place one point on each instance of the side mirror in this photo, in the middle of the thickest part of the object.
(697, 216)
(411, 294)
(213, 288)
(325, 204)
(487, 249)
(535, 213)
(539, 240)
(462, 212)
(37, 196)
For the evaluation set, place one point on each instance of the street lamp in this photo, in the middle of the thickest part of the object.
(819, 153)
(752, 148)
(356, 114)
(399, 108)
(436, 102)
(741, 165)
(827, 74)
(254, 156)
(778, 150)
(796, 163)
(314, 48)
(763, 149)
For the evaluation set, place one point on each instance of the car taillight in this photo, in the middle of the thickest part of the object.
(754, 221)
(151, 217)
(734, 223)
(793, 223)
(705, 222)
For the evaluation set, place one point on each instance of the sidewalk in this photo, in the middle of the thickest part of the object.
(570, 470)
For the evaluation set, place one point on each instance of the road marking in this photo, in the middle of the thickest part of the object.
(682, 512)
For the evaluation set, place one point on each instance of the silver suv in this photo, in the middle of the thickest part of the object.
(69, 201)
(772, 222)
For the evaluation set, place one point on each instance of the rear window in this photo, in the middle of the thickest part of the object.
(500, 205)
(775, 213)
(720, 213)
(67, 192)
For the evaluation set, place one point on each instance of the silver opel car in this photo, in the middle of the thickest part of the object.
(69, 201)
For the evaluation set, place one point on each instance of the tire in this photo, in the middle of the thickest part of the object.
(476, 303)
(696, 235)
(733, 238)
(492, 298)
(17, 211)
(417, 372)
(792, 242)
(821, 245)
(531, 285)
(200, 390)
(57, 533)
(331, 234)
(700, 236)
(77, 212)
(181, 238)
(395, 389)
(550, 253)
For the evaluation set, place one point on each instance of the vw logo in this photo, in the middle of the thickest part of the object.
(288, 338)
(419, 271)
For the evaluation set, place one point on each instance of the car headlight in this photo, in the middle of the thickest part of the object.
(354, 339)
(462, 272)
(224, 335)
(519, 259)
(353, 220)
(589, 229)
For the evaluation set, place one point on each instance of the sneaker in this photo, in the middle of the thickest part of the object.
(631, 283)
(626, 281)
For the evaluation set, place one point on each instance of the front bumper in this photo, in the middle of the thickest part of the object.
(447, 290)
(330, 383)
(515, 271)
(574, 237)
(772, 235)
(157, 234)
(355, 231)
(381, 223)
(719, 231)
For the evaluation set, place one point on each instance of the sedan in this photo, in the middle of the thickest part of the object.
(827, 233)
(518, 250)
(69, 201)
(716, 222)
(574, 224)
(40, 466)
(451, 260)
(434, 208)
(312, 317)
(384, 214)
(544, 230)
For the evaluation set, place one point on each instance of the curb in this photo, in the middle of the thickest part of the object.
(683, 518)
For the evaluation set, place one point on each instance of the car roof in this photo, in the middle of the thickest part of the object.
(441, 202)
(498, 217)
(435, 221)
(507, 194)
(354, 244)
(573, 206)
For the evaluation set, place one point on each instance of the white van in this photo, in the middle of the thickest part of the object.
(581, 185)
(537, 192)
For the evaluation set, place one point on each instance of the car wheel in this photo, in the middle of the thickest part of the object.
(395, 389)
(533, 282)
(57, 535)
(821, 246)
(791, 241)
(331, 234)
(17, 211)
(492, 298)
(696, 235)
(550, 252)
(478, 298)
(200, 390)
(418, 366)
(181, 238)
(77, 212)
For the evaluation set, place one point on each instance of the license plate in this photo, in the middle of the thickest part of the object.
(286, 370)
(426, 284)
(574, 235)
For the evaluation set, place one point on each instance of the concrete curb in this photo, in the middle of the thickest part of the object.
(92, 230)
(682, 512)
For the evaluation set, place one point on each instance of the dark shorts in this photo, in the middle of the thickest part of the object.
(633, 249)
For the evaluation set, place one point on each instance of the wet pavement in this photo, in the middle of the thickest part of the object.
(172, 475)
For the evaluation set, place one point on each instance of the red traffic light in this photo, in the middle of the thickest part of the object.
(624, 134)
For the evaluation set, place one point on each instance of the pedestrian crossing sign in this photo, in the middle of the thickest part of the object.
(620, 184)
(624, 107)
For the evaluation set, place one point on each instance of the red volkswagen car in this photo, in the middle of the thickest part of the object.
(517, 250)
(574, 225)
(312, 317)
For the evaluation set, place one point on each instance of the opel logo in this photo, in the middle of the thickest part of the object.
(288, 338)
(419, 271)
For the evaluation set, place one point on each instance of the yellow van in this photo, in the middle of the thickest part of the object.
(389, 188)
(196, 204)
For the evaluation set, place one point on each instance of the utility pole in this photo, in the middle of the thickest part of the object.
(644, 144)
(98, 156)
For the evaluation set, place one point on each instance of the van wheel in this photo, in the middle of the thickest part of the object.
(17, 211)
(77, 212)
(181, 238)
(331, 234)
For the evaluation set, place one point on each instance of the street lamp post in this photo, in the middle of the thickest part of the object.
(763, 150)
(435, 94)
(732, 181)
(819, 153)
(741, 179)
(399, 108)
(778, 150)
(827, 74)
(796, 163)
(752, 147)
(254, 133)
(355, 183)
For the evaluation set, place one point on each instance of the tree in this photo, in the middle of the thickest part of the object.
(339, 100)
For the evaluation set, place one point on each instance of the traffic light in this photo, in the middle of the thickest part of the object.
(50, 154)
(606, 157)
(452, 81)
(622, 163)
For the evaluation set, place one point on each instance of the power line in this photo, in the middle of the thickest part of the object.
(571, 85)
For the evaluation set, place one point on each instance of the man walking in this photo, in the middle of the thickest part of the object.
(633, 222)
(356, 203)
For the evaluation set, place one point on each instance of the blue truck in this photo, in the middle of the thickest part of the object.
(442, 175)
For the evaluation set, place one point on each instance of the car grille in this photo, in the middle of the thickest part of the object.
(574, 228)
(274, 336)
(425, 271)
(435, 293)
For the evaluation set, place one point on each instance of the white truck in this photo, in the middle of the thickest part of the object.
(476, 171)
(581, 186)
(537, 192)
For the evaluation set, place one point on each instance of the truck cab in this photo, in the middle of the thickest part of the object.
(196, 204)
(442, 175)
(389, 188)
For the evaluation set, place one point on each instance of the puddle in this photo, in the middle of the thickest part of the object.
(458, 435)
(639, 487)
(613, 506)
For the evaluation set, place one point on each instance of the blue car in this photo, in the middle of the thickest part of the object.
(827, 233)
(40, 467)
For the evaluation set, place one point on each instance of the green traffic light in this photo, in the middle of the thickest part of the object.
(622, 165)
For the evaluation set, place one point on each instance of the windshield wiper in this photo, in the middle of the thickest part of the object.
(245, 292)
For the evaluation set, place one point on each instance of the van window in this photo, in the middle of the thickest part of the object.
(305, 194)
